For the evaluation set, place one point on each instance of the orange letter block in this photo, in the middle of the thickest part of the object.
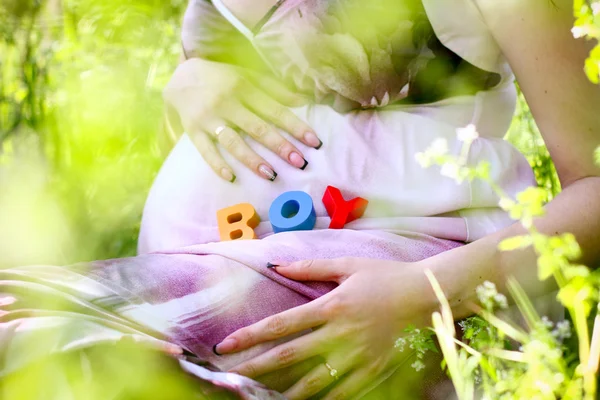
(340, 210)
(237, 222)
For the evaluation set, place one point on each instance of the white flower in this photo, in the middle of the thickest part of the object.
(562, 330)
(596, 7)
(468, 133)
(400, 343)
(439, 147)
(501, 301)
(546, 322)
(450, 170)
(579, 31)
(418, 365)
(506, 204)
(490, 298)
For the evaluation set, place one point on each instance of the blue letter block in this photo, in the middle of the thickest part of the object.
(292, 211)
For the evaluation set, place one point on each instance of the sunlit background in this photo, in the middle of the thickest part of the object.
(80, 115)
(81, 121)
(81, 139)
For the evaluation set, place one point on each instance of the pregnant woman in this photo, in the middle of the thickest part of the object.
(303, 94)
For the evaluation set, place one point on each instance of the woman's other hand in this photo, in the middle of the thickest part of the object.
(358, 324)
(218, 101)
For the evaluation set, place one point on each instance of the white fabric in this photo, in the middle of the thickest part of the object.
(459, 25)
(367, 153)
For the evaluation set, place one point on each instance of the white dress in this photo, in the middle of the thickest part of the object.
(366, 152)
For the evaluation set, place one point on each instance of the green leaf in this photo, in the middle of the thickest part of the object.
(515, 242)
(571, 248)
(547, 264)
(574, 292)
(592, 68)
(576, 271)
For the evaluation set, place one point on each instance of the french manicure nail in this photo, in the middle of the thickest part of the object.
(312, 140)
(228, 175)
(225, 346)
(267, 172)
(304, 166)
(298, 161)
(269, 265)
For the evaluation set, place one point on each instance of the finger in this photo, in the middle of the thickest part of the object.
(237, 147)
(209, 152)
(284, 355)
(276, 89)
(276, 326)
(318, 378)
(281, 116)
(329, 270)
(266, 134)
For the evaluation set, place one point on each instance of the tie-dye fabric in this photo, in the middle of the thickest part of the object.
(193, 296)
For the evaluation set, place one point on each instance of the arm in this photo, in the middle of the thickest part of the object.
(377, 299)
(224, 85)
(548, 62)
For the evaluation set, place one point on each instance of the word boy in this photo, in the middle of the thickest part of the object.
(291, 211)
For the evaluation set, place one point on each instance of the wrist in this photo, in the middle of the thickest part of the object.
(413, 293)
(460, 271)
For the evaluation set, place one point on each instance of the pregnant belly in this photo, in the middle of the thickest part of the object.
(370, 154)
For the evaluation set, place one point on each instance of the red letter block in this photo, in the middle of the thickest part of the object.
(237, 222)
(340, 210)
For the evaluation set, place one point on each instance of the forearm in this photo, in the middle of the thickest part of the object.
(461, 270)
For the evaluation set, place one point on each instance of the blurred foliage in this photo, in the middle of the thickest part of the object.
(80, 118)
(587, 25)
(105, 371)
(537, 362)
(525, 136)
(80, 113)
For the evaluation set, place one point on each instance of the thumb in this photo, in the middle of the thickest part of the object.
(275, 89)
(333, 270)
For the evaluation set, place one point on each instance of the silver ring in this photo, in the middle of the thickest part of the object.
(332, 371)
(220, 130)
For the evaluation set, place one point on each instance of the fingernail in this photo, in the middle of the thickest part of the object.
(267, 172)
(225, 346)
(298, 161)
(312, 140)
(228, 175)
(269, 265)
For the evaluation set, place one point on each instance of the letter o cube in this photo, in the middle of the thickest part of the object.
(292, 211)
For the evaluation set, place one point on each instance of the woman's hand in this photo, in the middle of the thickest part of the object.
(358, 324)
(214, 99)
